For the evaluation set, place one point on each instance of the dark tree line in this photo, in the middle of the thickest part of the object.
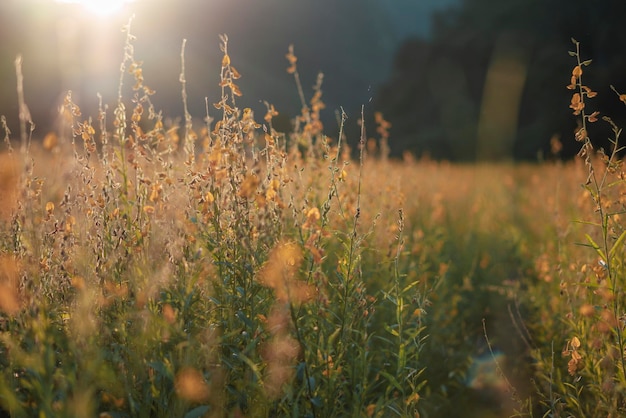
(490, 84)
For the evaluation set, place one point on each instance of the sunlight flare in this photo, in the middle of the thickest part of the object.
(101, 8)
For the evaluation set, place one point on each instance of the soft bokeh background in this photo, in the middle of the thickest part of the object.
(64, 46)
(458, 79)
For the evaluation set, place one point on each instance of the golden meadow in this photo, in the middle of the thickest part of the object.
(150, 269)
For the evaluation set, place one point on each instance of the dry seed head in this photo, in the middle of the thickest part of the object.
(271, 112)
(190, 385)
(413, 399)
(261, 200)
(276, 375)
(312, 246)
(234, 74)
(9, 184)
(383, 125)
(588, 92)
(50, 141)
(571, 350)
(312, 217)
(248, 186)
(282, 349)
(574, 364)
(155, 192)
(586, 310)
(78, 283)
(577, 104)
(280, 354)
(580, 135)
(169, 314)
(609, 321)
(278, 320)
(371, 146)
(292, 60)
(49, 208)
(593, 117)
(9, 277)
(555, 145)
(279, 273)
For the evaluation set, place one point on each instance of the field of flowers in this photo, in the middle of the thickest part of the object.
(228, 270)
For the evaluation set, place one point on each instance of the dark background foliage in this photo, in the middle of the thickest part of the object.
(426, 65)
(435, 95)
(351, 41)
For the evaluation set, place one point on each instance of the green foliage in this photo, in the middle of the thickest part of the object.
(440, 97)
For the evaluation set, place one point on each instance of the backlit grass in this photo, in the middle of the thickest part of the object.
(155, 270)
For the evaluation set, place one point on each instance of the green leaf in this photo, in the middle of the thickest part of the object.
(317, 402)
(333, 337)
(596, 224)
(162, 369)
(391, 331)
(596, 247)
(410, 286)
(385, 340)
(589, 285)
(390, 297)
(197, 412)
(617, 245)
(391, 379)
(402, 356)
(250, 363)
(243, 318)
(616, 183)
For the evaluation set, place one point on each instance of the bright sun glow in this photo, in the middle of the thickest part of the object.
(102, 8)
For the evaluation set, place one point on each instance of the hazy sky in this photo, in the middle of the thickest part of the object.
(64, 46)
